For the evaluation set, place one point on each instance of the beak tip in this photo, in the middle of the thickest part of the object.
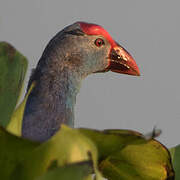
(138, 73)
(134, 69)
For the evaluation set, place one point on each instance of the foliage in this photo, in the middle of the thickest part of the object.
(13, 66)
(15, 123)
(175, 154)
(75, 171)
(125, 154)
(73, 153)
(13, 150)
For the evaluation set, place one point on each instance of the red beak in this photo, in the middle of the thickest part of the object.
(121, 61)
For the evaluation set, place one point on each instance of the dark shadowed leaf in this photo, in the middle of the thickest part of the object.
(13, 67)
(12, 151)
(175, 154)
(75, 171)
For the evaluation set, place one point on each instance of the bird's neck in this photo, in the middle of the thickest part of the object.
(59, 92)
(51, 103)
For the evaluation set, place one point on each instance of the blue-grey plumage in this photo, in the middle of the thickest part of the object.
(68, 58)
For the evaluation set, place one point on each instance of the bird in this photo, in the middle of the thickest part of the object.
(80, 49)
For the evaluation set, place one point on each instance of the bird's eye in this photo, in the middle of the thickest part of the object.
(99, 42)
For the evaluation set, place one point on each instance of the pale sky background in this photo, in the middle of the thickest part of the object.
(149, 30)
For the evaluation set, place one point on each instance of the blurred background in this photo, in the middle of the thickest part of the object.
(149, 30)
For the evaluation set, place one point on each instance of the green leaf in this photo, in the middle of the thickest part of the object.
(66, 146)
(75, 171)
(127, 155)
(147, 161)
(121, 154)
(25, 160)
(175, 154)
(13, 67)
(15, 125)
(12, 151)
(111, 141)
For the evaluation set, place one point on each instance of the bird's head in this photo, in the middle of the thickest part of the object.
(96, 51)
(89, 48)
